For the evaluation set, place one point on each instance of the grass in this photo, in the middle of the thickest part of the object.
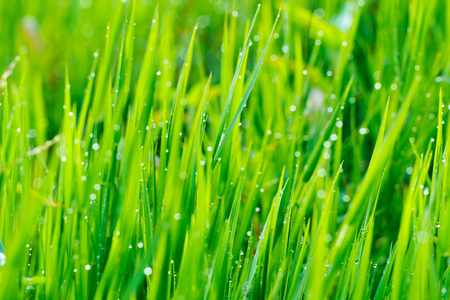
(284, 150)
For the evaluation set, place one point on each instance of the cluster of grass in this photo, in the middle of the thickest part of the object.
(291, 149)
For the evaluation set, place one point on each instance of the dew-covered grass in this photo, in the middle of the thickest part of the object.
(224, 149)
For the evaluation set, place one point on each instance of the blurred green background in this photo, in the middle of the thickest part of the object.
(55, 32)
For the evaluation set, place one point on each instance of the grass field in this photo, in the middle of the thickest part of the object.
(292, 149)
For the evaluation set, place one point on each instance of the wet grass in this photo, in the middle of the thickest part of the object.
(288, 150)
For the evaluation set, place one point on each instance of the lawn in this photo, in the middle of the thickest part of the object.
(224, 149)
